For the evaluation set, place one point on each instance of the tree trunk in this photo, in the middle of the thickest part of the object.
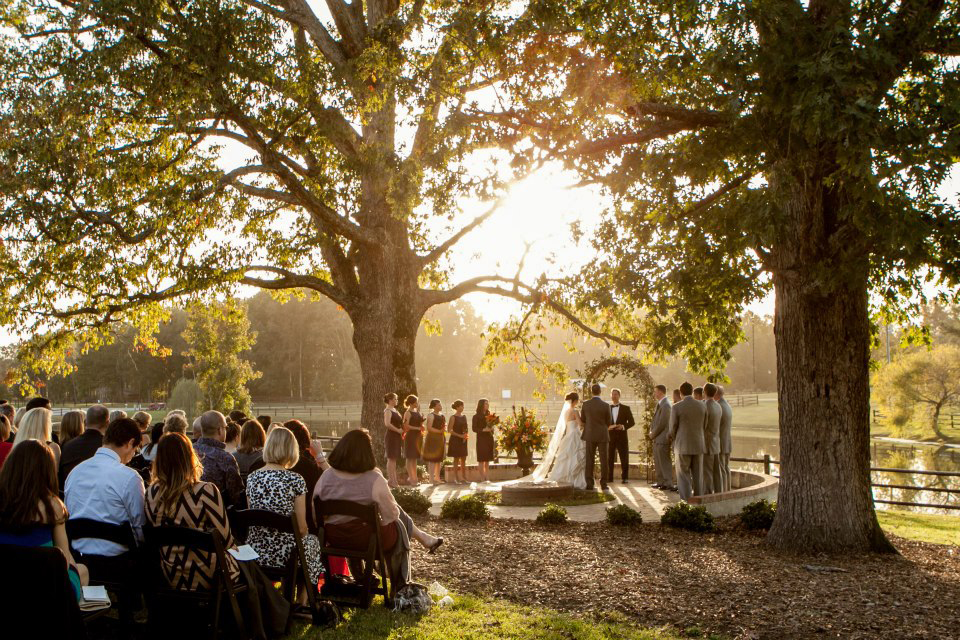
(936, 423)
(825, 501)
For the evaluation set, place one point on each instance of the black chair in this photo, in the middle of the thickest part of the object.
(116, 573)
(367, 585)
(29, 571)
(158, 538)
(297, 569)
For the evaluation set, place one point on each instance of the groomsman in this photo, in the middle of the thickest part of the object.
(726, 438)
(712, 482)
(698, 394)
(686, 431)
(622, 420)
(660, 435)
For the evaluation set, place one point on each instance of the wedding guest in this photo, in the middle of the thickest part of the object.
(619, 442)
(712, 481)
(686, 431)
(86, 444)
(457, 447)
(485, 444)
(31, 513)
(412, 437)
(353, 476)
(149, 452)
(175, 423)
(726, 438)
(116, 414)
(434, 444)
(250, 451)
(197, 429)
(676, 396)
(7, 410)
(265, 422)
(5, 446)
(219, 467)
(660, 436)
(104, 489)
(71, 426)
(306, 464)
(37, 424)
(232, 439)
(278, 488)
(38, 403)
(178, 497)
(142, 418)
(237, 416)
(698, 394)
(393, 438)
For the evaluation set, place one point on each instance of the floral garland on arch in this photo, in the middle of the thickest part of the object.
(522, 431)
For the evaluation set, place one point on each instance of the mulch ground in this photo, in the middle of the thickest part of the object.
(728, 582)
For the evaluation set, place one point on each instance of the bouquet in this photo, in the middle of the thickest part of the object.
(522, 431)
(492, 420)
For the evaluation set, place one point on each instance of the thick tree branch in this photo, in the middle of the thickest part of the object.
(350, 24)
(290, 280)
(446, 245)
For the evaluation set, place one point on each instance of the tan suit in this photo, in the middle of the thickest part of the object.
(660, 435)
(726, 442)
(686, 431)
(712, 479)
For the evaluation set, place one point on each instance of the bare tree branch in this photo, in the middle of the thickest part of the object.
(290, 280)
(445, 246)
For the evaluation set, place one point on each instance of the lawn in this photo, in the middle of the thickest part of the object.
(471, 617)
(922, 527)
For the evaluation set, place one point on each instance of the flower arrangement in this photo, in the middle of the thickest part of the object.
(522, 431)
(492, 419)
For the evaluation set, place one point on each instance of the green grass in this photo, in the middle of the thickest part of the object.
(480, 618)
(921, 526)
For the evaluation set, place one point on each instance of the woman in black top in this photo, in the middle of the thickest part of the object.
(393, 439)
(412, 437)
(457, 447)
(484, 439)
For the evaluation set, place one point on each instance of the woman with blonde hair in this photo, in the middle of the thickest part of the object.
(37, 424)
(276, 487)
(71, 426)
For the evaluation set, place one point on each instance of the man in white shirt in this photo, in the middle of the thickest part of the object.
(103, 488)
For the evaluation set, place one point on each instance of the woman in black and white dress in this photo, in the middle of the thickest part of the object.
(277, 488)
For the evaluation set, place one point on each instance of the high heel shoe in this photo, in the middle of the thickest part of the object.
(435, 546)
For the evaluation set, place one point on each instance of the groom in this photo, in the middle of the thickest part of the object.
(596, 434)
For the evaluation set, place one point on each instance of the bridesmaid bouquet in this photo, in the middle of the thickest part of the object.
(492, 419)
(522, 431)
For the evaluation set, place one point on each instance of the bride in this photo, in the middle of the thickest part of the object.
(565, 458)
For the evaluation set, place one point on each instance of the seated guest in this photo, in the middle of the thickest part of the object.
(37, 424)
(232, 438)
(86, 444)
(4, 435)
(250, 451)
(175, 423)
(237, 416)
(42, 403)
(219, 467)
(265, 422)
(306, 465)
(71, 426)
(116, 414)
(31, 513)
(7, 410)
(353, 476)
(142, 418)
(197, 429)
(104, 489)
(178, 497)
(277, 488)
(149, 452)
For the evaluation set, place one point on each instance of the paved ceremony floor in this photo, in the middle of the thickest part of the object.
(637, 494)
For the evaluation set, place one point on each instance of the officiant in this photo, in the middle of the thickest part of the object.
(619, 443)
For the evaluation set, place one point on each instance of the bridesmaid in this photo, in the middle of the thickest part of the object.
(412, 437)
(393, 439)
(484, 439)
(457, 448)
(434, 445)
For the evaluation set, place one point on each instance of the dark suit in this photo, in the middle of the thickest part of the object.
(596, 433)
(77, 450)
(619, 443)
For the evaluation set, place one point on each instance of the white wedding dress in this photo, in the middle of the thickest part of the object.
(565, 458)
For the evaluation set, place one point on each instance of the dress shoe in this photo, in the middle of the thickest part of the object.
(624, 481)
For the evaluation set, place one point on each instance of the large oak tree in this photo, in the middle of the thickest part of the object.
(749, 145)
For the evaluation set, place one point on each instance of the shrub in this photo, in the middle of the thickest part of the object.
(623, 516)
(758, 515)
(685, 516)
(468, 507)
(552, 514)
(412, 501)
(488, 497)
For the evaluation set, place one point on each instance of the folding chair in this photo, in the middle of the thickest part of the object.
(119, 573)
(371, 554)
(157, 538)
(297, 566)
